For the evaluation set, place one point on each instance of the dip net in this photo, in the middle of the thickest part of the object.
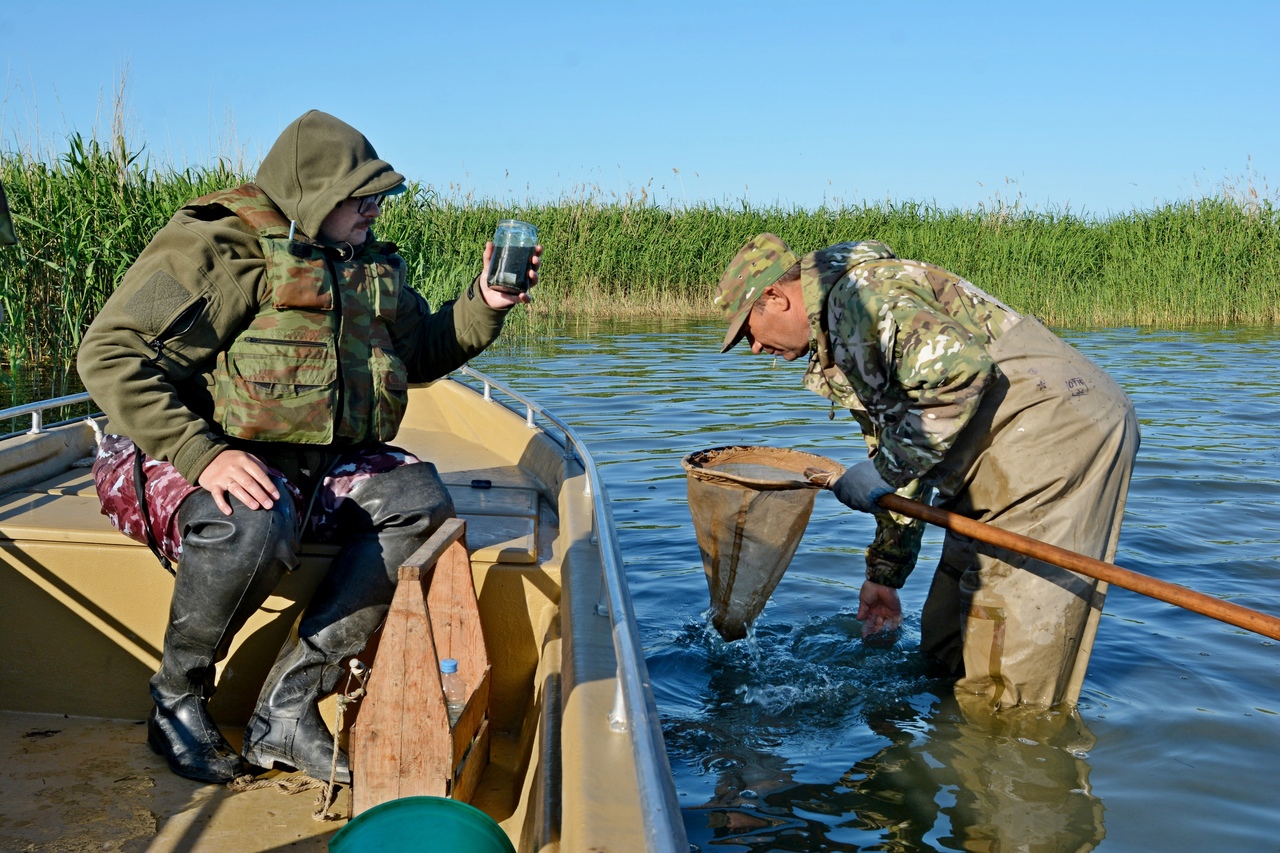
(750, 506)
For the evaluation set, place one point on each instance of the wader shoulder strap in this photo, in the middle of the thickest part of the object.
(139, 488)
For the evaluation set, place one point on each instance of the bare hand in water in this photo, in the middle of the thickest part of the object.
(879, 609)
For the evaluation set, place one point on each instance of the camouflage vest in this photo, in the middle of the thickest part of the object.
(317, 364)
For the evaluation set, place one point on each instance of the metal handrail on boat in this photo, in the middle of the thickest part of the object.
(38, 408)
(634, 709)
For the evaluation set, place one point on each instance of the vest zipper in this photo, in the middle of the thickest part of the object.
(285, 342)
(339, 410)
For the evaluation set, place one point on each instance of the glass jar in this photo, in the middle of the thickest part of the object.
(513, 244)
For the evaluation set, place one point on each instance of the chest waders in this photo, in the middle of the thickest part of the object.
(1047, 455)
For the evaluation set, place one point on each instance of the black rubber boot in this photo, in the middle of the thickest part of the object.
(384, 520)
(230, 564)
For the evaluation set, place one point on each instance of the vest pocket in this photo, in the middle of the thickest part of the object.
(386, 289)
(390, 393)
(275, 389)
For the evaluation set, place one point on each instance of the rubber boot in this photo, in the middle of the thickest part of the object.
(230, 564)
(386, 518)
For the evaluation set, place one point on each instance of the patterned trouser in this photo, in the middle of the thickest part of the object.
(166, 489)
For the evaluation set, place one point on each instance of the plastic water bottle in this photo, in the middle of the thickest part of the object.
(455, 689)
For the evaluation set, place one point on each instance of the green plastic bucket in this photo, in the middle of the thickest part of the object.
(421, 823)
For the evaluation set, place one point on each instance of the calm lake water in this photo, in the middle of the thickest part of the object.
(803, 737)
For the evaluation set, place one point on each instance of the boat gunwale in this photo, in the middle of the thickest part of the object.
(635, 710)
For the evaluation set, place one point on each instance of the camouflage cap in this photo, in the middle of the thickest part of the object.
(758, 264)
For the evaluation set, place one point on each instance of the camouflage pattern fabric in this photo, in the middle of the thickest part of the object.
(283, 377)
(370, 288)
(893, 552)
(903, 345)
(252, 205)
(166, 489)
(758, 264)
(351, 470)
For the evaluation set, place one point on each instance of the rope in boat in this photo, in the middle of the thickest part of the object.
(296, 784)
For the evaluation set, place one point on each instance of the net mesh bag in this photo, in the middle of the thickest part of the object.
(750, 506)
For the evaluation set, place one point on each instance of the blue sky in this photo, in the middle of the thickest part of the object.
(1088, 106)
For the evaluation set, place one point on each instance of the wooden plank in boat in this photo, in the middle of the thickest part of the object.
(402, 743)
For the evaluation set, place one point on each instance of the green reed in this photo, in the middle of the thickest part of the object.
(84, 217)
(81, 221)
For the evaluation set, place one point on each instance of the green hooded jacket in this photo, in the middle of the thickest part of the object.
(149, 357)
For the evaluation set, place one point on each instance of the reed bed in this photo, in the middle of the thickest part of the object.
(1210, 261)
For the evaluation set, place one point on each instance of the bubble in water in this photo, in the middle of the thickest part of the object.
(723, 765)
(771, 698)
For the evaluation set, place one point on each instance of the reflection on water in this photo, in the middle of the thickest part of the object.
(914, 768)
(803, 737)
(941, 779)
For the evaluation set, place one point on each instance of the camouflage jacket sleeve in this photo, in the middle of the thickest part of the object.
(892, 556)
(921, 373)
(434, 343)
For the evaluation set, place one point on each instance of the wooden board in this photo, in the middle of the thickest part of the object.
(402, 744)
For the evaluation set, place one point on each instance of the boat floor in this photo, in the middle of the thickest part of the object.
(77, 784)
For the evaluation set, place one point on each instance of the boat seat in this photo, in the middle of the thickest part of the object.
(63, 508)
(502, 521)
(106, 595)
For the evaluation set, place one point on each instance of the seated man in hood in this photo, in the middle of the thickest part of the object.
(255, 362)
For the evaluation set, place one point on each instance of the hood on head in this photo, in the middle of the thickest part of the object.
(316, 164)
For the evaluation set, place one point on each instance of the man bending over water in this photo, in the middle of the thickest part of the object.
(958, 394)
